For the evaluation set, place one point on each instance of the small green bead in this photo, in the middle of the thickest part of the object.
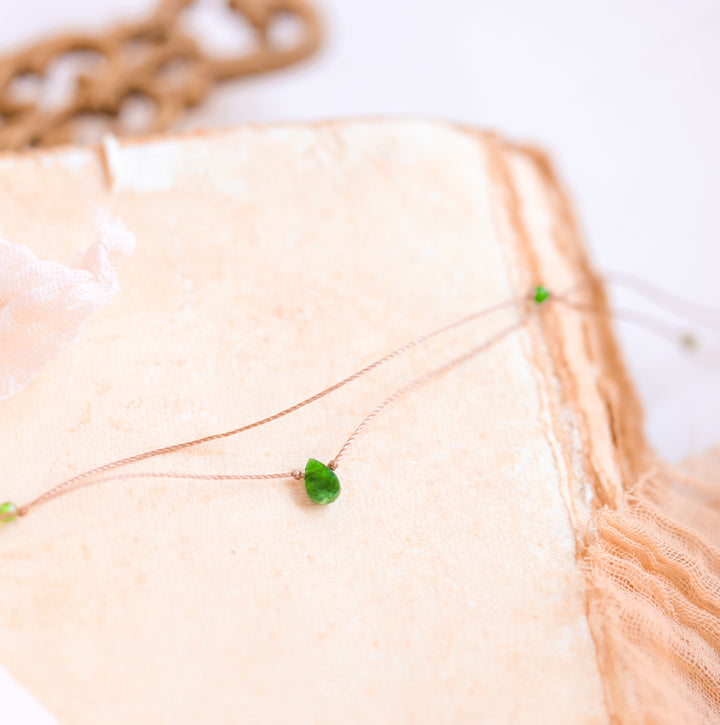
(321, 483)
(541, 294)
(8, 512)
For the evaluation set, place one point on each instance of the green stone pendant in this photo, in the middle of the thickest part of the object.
(321, 482)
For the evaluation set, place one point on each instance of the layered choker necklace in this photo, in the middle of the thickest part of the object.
(321, 481)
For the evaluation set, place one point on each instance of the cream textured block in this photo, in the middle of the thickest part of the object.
(443, 585)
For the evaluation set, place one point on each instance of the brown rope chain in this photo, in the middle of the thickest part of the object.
(153, 60)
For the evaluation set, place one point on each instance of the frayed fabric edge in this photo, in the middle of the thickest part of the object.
(652, 567)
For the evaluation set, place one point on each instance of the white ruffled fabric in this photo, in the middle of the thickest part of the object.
(44, 304)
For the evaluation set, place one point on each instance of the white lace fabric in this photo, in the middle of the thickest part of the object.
(44, 304)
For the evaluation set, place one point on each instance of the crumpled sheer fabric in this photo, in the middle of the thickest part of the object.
(44, 304)
(653, 569)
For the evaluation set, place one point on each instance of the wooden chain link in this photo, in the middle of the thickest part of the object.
(154, 60)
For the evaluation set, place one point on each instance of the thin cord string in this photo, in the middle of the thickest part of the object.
(67, 484)
(692, 311)
(334, 463)
(84, 479)
(663, 329)
(648, 322)
(492, 341)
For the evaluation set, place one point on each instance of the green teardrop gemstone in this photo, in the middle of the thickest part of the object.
(321, 482)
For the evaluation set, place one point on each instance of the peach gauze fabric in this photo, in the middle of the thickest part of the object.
(43, 304)
(653, 570)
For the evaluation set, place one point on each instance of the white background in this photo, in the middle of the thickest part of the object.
(624, 94)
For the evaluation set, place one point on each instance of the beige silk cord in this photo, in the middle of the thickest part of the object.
(68, 485)
(658, 327)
